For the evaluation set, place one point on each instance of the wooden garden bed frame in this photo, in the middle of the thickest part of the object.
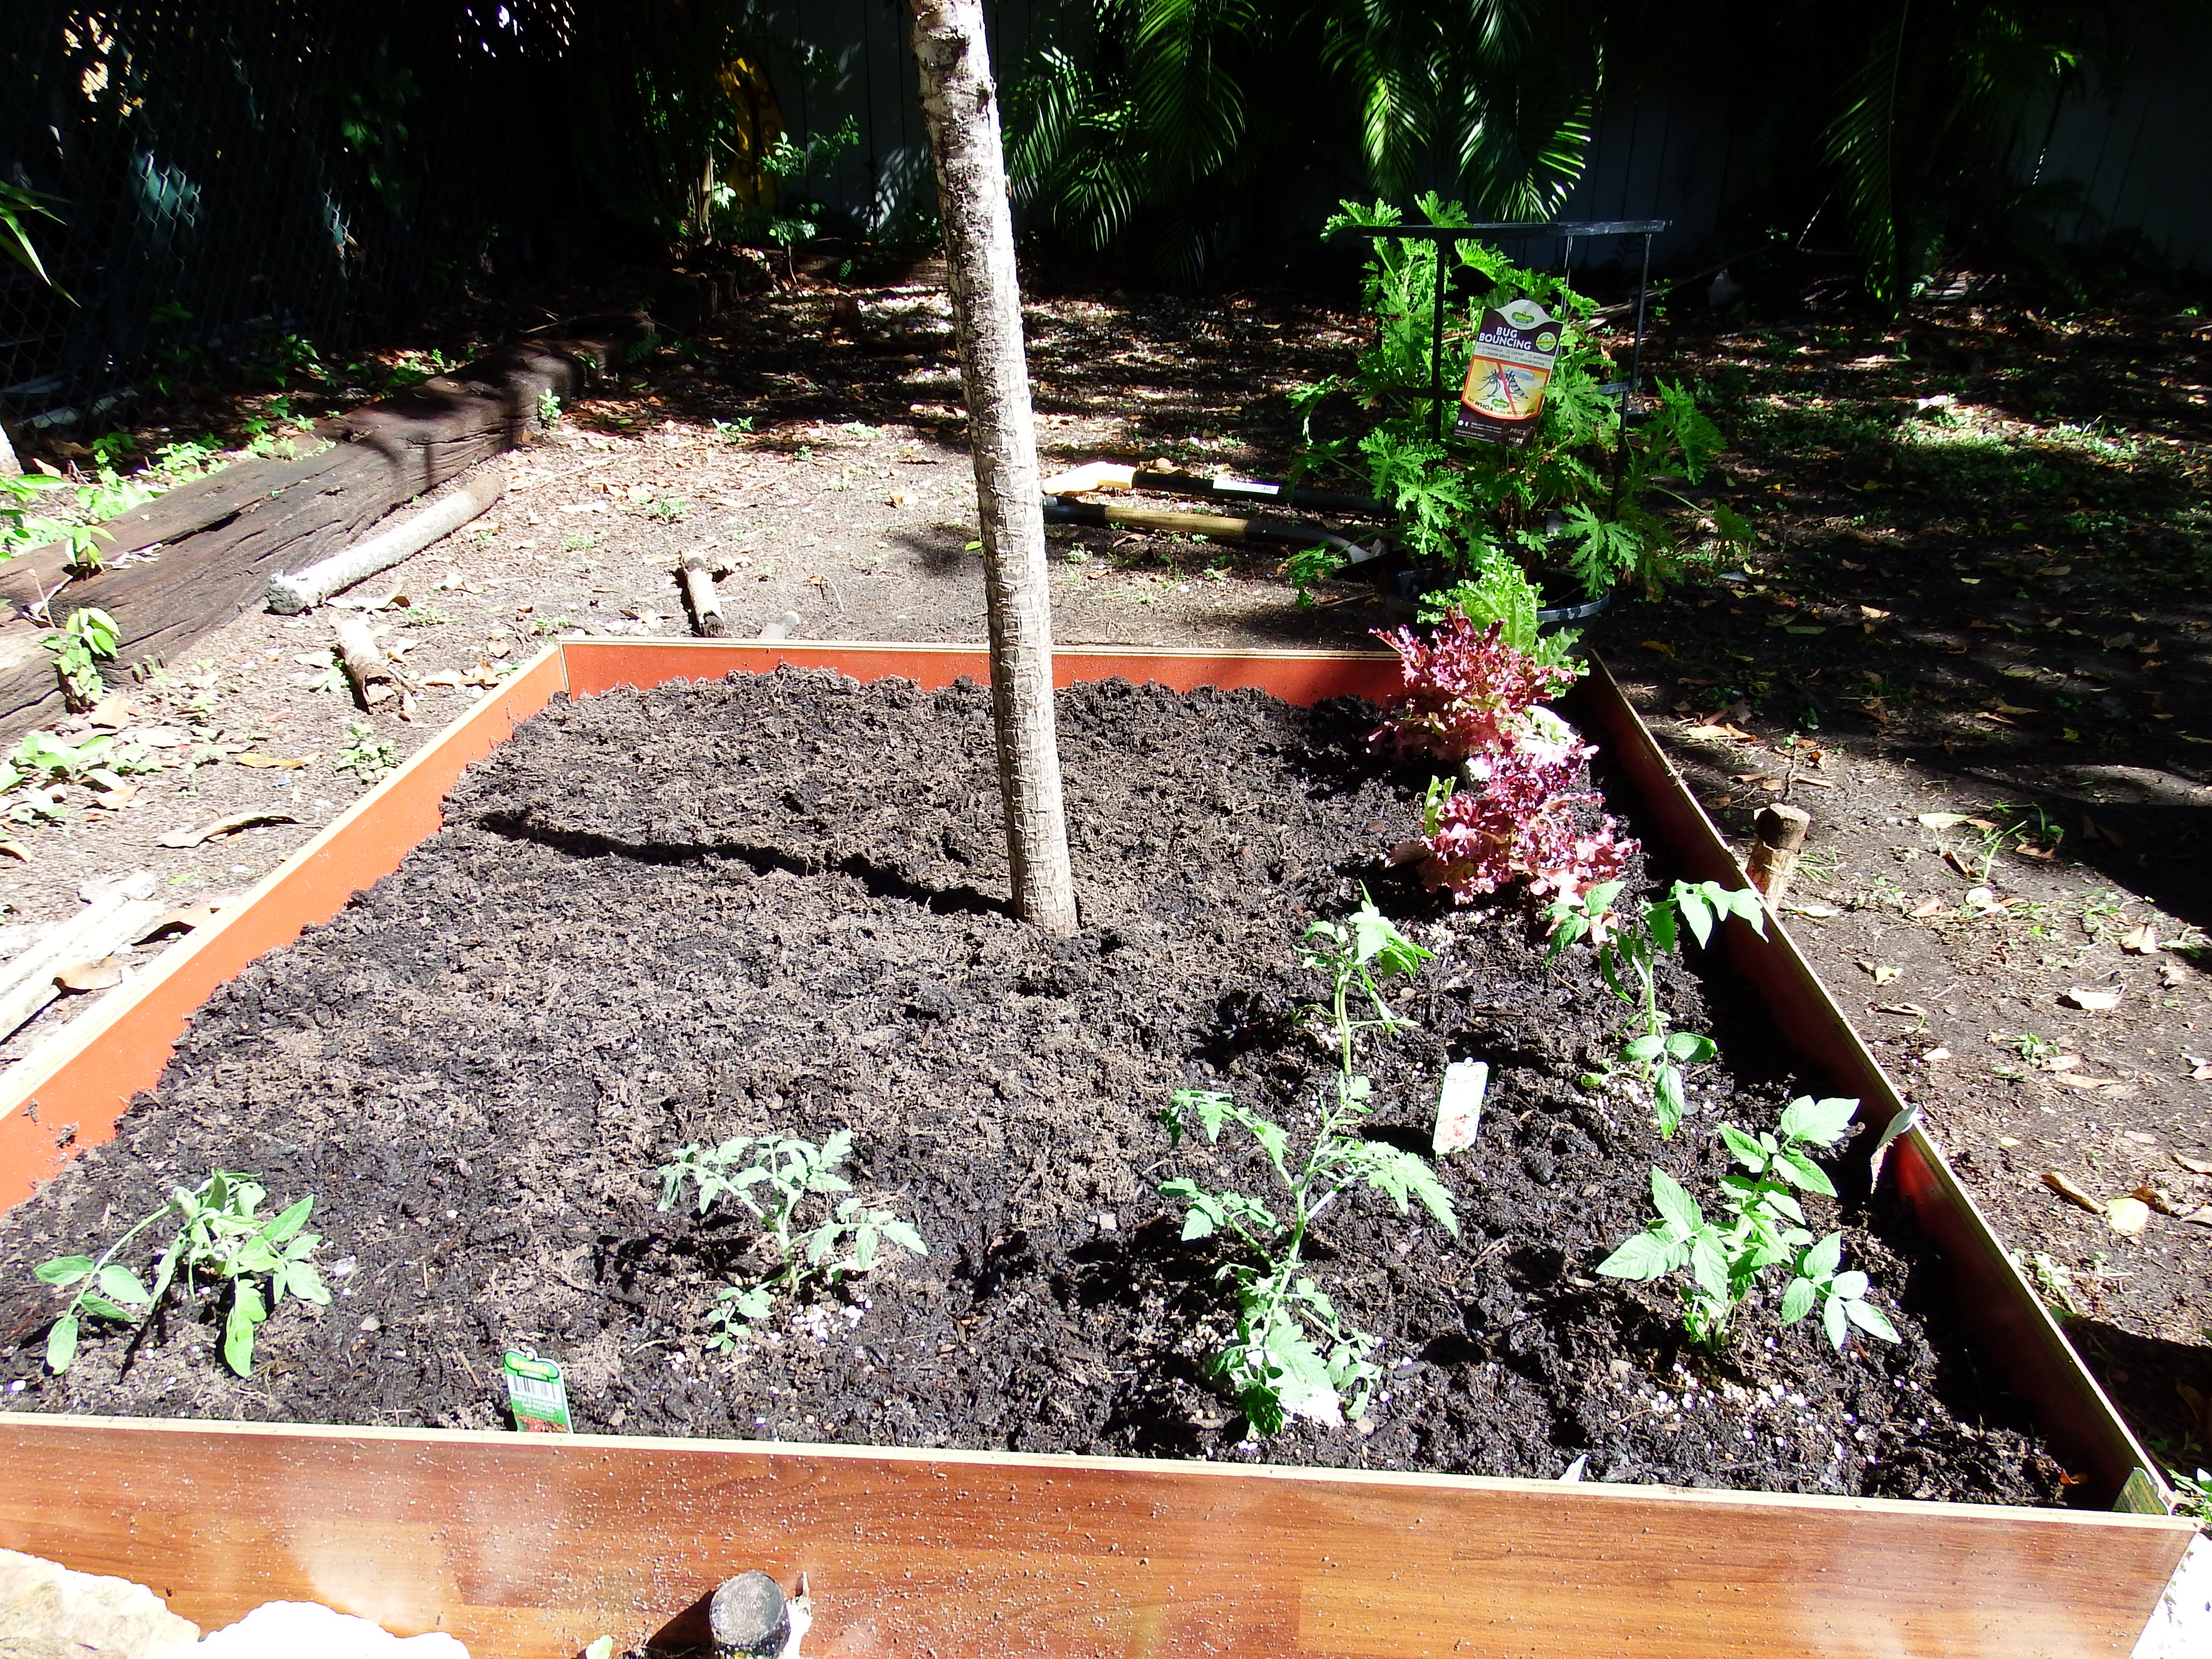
(528, 1546)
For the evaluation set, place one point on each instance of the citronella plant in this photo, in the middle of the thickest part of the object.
(1629, 940)
(1472, 512)
(1761, 1224)
(1292, 1354)
(222, 1239)
(771, 1177)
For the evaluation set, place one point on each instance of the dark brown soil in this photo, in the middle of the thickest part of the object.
(778, 903)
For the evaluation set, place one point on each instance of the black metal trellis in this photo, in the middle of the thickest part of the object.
(1569, 231)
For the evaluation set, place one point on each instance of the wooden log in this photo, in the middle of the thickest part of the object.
(396, 538)
(697, 575)
(112, 920)
(213, 544)
(375, 677)
(1780, 832)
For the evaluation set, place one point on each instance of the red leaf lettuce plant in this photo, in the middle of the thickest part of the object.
(1473, 698)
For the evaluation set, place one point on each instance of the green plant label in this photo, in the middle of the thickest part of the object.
(537, 1393)
(1515, 346)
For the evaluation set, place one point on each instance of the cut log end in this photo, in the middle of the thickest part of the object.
(1780, 833)
(696, 575)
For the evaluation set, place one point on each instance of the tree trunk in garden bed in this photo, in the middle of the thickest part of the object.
(960, 108)
(219, 539)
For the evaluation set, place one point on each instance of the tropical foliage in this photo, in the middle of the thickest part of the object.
(1170, 129)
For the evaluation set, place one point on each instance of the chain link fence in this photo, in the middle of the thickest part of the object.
(232, 178)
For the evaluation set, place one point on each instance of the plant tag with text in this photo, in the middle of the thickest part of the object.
(537, 1393)
(1503, 395)
(1459, 1104)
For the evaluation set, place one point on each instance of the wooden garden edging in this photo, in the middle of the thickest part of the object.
(532, 1545)
(222, 538)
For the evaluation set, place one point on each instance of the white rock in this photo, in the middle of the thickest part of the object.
(2181, 1627)
(48, 1612)
(296, 1630)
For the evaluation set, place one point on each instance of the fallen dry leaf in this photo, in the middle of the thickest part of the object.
(2141, 940)
(1952, 857)
(2127, 1216)
(2158, 1198)
(97, 975)
(1883, 973)
(1720, 729)
(1818, 783)
(1937, 1053)
(2062, 1063)
(1659, 645)
(14, 849)
(230, 826)
(481, 675)
(1872, 615)
(1951, 821)
(289, 765)
(2076, 996)
(2082, 1081)
(1803, 908)
(2067, 1190)
(1930, 906)
(188, 916)
(1910, 1009)
(2194, 1165)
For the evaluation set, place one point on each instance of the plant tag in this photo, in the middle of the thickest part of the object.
(1514, 348)
(1459, 1104)
(537, 1393)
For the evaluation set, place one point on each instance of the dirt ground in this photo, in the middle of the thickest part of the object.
(1991, 606)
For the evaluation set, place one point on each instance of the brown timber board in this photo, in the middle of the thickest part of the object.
(528, 1546)
(220, 538)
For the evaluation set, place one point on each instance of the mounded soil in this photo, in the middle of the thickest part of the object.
(779, 904)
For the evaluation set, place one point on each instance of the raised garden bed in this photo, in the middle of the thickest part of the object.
(1059, 1285)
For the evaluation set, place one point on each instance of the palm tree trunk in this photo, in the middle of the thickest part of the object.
(960, 108)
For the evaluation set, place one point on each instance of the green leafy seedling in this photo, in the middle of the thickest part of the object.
(1291, 1355)
(1629, 939)
(220, 1238)
(770, 1177)
(1840, 1296)
(1762, 1222)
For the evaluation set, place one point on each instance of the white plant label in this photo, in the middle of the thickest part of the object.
(1459, 1104)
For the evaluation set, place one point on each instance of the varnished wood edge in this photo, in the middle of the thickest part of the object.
(557, 1446)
